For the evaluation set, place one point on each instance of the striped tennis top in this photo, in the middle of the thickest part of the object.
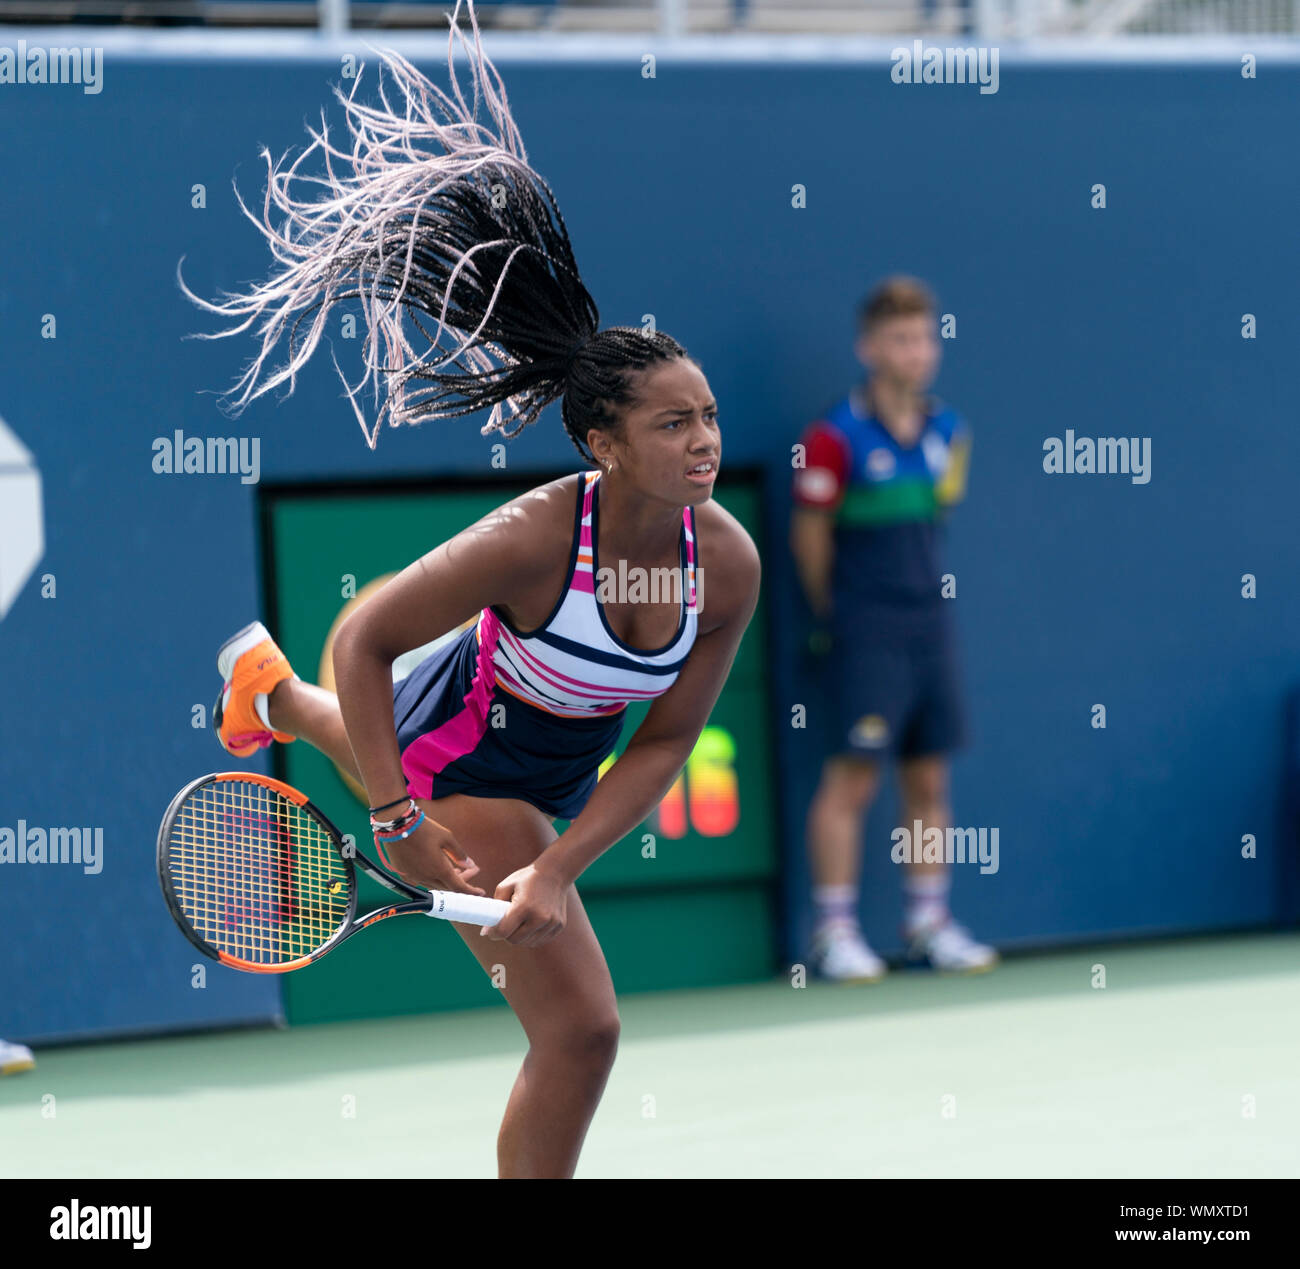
(574, 665)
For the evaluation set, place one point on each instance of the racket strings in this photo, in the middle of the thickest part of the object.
(257, 877)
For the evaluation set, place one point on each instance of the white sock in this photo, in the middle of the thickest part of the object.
(835, 905)
(927, 898)
(260, 704)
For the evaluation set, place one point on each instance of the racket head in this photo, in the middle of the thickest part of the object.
(254, 874)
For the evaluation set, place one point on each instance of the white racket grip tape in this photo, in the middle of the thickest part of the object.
(451, 905)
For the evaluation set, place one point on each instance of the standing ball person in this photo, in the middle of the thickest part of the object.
(879, 471)
(469, 760)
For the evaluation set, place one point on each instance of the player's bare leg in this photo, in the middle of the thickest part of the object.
(561, 992)
(312, 714)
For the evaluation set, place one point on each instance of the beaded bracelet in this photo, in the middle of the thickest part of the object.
(409, 813)
(400, 827)
(397, 837)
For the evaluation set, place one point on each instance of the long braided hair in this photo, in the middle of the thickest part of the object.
(441, 221)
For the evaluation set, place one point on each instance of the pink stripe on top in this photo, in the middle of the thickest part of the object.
(575, 666)
(572, 667)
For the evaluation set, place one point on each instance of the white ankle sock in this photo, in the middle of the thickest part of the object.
(927, 899)
(835, 905)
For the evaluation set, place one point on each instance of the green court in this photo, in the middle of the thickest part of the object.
(1183, 1065)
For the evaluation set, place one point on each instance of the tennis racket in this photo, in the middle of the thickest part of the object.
(258, 879)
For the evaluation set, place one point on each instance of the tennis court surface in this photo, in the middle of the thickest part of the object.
(1183, 1065)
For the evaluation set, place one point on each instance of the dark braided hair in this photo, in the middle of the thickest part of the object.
(600, 379)
(466, 245)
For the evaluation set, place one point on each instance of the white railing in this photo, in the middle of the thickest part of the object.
(983, 20)
(1027, 19)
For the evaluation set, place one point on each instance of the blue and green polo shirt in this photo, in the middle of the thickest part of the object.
(888, 502)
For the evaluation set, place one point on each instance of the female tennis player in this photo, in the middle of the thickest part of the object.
(469, 760)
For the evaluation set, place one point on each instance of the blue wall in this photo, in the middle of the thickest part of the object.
(677, 192)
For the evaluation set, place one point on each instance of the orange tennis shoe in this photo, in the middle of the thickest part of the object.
(250, 665)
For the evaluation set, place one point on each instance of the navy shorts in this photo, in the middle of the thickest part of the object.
(894, 697)
(460, 733)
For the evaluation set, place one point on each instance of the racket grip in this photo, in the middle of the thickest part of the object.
(451, 905)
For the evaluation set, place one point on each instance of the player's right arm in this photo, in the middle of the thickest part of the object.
(493, 561)
(818, 491)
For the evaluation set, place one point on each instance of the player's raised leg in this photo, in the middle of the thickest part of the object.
(312, 714)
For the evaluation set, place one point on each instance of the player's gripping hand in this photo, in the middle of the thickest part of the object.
(538, 898)
(431, 858)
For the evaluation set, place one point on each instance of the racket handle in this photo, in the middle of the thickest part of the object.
(451, 905)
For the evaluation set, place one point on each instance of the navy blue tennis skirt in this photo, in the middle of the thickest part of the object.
(460, 733)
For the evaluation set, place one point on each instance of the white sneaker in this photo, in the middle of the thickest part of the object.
(949, 946)
(15, 1058)
(839, 952)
